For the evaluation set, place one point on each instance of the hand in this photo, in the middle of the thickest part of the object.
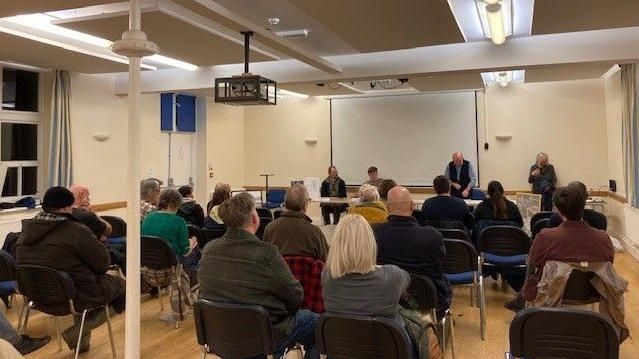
(456, 185)
(535, 172)
(192, 242)
(466, 192)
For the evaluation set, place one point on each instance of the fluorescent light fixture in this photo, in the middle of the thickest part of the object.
(293, 34)
(503, 78)
(292, 94)
(43, 22)
(495, 18)
(472, 18)
(171, 62)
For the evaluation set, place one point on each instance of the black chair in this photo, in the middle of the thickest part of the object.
(264, 221)
(233, 330)
(118, 226)
(423, 291)
(264, 212)
(419, 216)
(211, 234)
(540, 215)
(461, 266)
(537, 333)
(446, 224)
(503, 246)
(579, 289)
(277, 213)
(455, 234)
(157, 255)
(538, 226)
(361, 337)
(47, 288)
(7, 278)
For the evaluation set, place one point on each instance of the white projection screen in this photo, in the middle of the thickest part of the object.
(410, 138)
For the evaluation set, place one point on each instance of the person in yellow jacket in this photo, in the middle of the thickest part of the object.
(369, 205)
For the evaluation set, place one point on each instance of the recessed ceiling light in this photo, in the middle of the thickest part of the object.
(273, 20)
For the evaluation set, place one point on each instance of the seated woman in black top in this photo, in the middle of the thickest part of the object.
(497, 208)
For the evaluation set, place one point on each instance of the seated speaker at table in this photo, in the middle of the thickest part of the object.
(461, 174)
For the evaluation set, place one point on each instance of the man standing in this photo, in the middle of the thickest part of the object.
(461, 175)
(240, 268)
(333, 186)
(445, 207)
(373, 178)
(543, 179)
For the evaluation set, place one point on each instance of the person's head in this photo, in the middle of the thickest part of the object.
(297, 198)
(150, 190)
(400, 202)
(239, 212)
(372, 173)
(542, 159)
(222, 193)
(332, 172)
(354, 249)
(496, 193)
(186, 191)
(58, 200)
(441, 184)
(458, 158)
(580, 186)
(170, 200)
(386, 186)
(82, 196)
(570, 202)
(368, 193)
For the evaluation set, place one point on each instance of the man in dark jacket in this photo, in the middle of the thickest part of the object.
(419, 250)
(240, 268)
(55, 239)
(445, 207)
(333, 186)
(190, 210)
(543, 178)
(462, 176)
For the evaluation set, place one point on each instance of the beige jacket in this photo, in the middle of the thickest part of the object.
(610, 286)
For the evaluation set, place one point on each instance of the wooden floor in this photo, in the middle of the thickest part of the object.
(160, 340)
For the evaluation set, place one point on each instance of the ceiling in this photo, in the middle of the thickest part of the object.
(553, 16)
(560, 72)
(19, 7)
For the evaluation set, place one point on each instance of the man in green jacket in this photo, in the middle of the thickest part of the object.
(240, 268)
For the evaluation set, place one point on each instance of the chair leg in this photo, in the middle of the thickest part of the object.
(77, 348)
(482, 308)
(160, 297)
(443, 338)
(451, 324)
(108, 316)
(21, 314)
(203, 351)
(57, 331)
(26, 318)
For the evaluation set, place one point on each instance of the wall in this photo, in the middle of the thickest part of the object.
(225, 143)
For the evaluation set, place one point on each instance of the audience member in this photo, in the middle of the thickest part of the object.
(190, 210)
(386, 186)
(462, 176)
(293, 233)
(593, 218)
(417, 249)
(24, 344)
(497, 207)
(240, 268)
(543, 179)
(166, 224)
(373, 178)
(53, 238)
(369, 206)
(84, 214)
(445, 207)
(149, 196)
(333, 186)
(222, 193)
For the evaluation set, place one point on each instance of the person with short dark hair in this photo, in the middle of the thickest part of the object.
(445, 207)
(241, 268)
(293, 233)
(462, 176)
(543, 178)
(386, 186)
(190, 210)
(593, 218)
(333, 186)
(373, 177)
(55, 239)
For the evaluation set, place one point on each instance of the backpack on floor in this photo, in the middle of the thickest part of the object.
(422, 334)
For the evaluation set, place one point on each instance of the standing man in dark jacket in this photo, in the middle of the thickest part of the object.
(54, 239)
(333, 186)
(544, 180)
(461, 175)
(416, 249)
(240, 268)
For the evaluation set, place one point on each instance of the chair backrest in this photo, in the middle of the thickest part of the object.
(454, 234)
(445, 224)
(540, 215)
(538, 226)
(308, 271)
(264, 221)
(477, 194)
(275, 196)
(423, 291)
(7, 266)
(504, 241)
(562, 333)
(211, 234)
(233, 330)
(44, 286)
(461, 257)
(118, 226)
(419, 216)
(156, 253)
(277, 213)
(264, 212)
(579, 290)
(361, 337)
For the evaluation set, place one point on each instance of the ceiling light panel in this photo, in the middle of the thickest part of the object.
(506, 11)
(473, 22)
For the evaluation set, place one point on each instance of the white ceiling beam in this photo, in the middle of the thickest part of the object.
(99, 12)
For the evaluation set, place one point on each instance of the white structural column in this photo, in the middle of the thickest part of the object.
(134, 46)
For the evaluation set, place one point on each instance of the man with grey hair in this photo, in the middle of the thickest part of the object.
(543, 178)
(240, 268)
(461, 175)
(293, 233)
(149, 195)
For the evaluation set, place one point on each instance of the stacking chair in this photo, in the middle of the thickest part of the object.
(540, 215)
(158, 256)
(46, 288)
(455, 234)
(503, 246)
(538, 226)
(461, 266)
(210, 234)
(7, 278)
(361, 337)
(446, 224)
(419, 216)
(264, 212)
(579, 290)
(537, 333)
(118, 229)
(424, 292)
(275, 198)
(264, 221)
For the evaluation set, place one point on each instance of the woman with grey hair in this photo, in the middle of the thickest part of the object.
(544, 180)
(369, 206)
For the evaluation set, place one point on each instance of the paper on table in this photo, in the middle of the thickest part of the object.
(313, 185)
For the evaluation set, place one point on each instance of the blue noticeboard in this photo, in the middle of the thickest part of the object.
(185, 113)
(166, 112)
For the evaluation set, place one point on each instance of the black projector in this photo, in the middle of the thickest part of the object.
(246, 89)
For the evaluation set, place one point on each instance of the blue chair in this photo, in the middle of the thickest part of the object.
(275, 198)
(504, 249)
(7, 277)
(477, 194)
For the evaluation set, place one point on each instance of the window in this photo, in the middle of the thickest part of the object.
(19, 142)
(19, 90)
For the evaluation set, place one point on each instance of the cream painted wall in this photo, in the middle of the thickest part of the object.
(565, 119)
(612, 94)
(274, 141)
(225, 144)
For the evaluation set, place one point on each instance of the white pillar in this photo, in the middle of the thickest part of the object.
(135, 46)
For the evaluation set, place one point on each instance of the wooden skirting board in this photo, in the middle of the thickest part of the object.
(108, 206)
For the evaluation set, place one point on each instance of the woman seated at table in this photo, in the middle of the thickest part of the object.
(221, 194)
(166, 224)
(369, 206)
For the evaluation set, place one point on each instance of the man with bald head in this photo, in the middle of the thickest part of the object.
(83, 213)
(416, 249)
(461, 175)
(293, 232)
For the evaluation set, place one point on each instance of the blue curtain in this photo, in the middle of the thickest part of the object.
(630, 131)
(60, 173)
